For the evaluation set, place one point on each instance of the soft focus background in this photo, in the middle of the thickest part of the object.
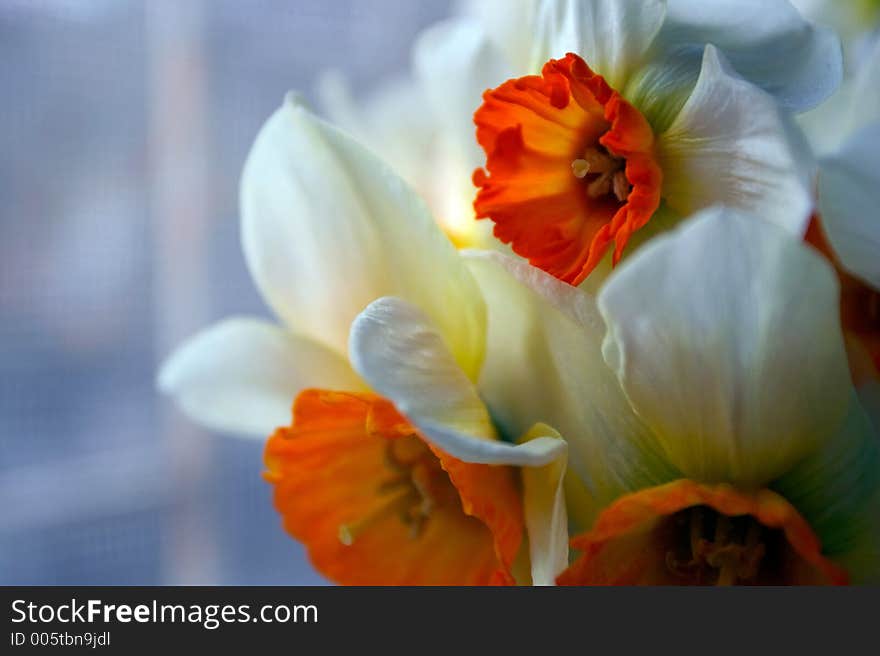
(124, 128)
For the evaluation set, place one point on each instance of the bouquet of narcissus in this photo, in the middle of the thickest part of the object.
(591, 298)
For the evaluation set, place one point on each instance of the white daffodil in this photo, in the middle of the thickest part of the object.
(714, 434)
(706, 127)
(377, 496)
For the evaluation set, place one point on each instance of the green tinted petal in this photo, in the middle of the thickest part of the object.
(837, 490)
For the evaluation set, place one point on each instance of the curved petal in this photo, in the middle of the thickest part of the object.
(849, 201)
(768, 42)
(725, 337)
(732, 145)
(390, 120)
(837, 489)
(455, 63)
(241, 375)
(397, 350)
(855, 106)
(865, 99)
(613, 36)
(544, 364)
(508, 25)
(327, 228)
(545, 514)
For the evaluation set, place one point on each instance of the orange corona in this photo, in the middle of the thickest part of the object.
(687, 533)
(377, 505)
(570, 168)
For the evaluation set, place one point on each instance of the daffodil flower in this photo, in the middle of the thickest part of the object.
(728, 142)
(720, 439)
(654, 103)
(380, 492)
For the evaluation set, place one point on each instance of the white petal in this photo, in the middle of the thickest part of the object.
(725, 337)
(865, 100)
(732, 145)
(508, 25)
(397, 350)
(544, 364)
(849, 202)
(546, 518)
(613, 36)
(768, 42)
(327, 228)
(242, 375)
(855, 106)
(455, 63)
(391, 120)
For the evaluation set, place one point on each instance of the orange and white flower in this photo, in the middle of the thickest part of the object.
(729, 444)
(380, 494)
(705, 119)
(655, 105)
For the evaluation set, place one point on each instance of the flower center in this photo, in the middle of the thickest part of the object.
(707, 547)
(570, 168)
(603, 172)
(416, 487)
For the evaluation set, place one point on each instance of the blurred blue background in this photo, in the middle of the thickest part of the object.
(125, 125)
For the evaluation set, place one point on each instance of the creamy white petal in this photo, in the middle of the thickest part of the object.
(455, 63)
(613, 36)
(390, 120)
(544, 364)
(242, 375)
(398, 351)
(849, 202)
(732, 145)
(327, 228)
(768, 42)
(546, 518)
(508, 25)
(725, 337)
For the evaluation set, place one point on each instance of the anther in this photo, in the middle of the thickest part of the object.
(601, 186)
(621, 186)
